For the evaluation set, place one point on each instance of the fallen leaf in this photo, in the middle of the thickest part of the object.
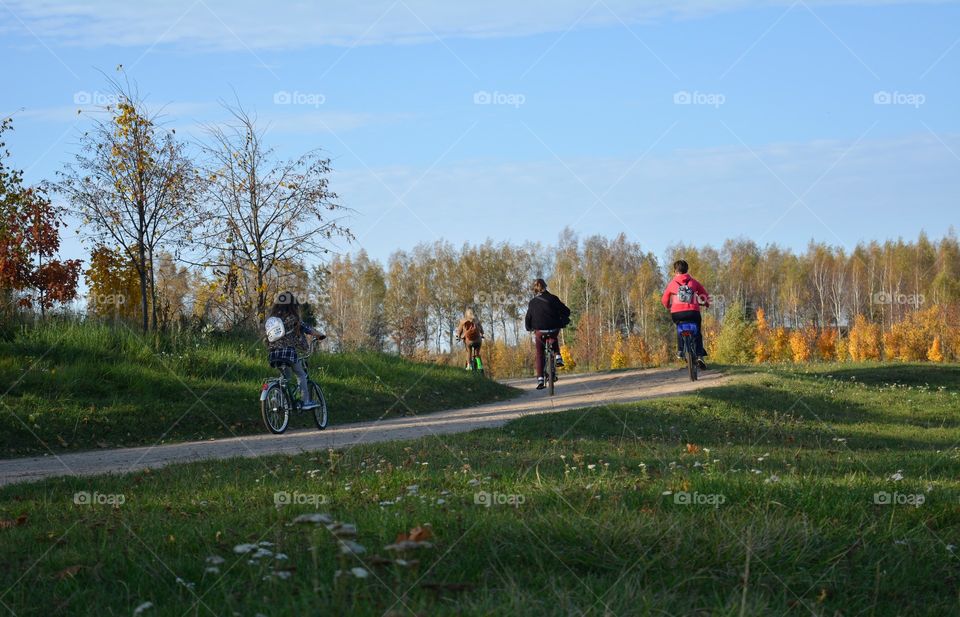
(693, 448)
(68, 572)
(13, 522)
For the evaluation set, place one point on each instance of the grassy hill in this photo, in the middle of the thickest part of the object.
(823, 490)
(68, 385)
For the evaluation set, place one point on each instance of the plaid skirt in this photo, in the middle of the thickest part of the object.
(282, 356)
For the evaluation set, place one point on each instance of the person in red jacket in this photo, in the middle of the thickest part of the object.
(684, 296)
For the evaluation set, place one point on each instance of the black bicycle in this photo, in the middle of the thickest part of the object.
(280, 397)
(688, 338)
(549, 337)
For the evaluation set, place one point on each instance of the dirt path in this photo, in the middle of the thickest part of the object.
(587, 390)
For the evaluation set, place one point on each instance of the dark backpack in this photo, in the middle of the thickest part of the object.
(685, 294)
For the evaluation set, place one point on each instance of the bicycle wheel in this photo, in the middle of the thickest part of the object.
(551, 368)
(320, 411)
(275, 409)
(691, 360)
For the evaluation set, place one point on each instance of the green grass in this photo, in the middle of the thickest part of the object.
(797, 457)
(81, 385)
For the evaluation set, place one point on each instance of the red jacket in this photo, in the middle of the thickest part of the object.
(670, 300)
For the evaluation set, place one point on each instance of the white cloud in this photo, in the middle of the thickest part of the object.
(253, 24)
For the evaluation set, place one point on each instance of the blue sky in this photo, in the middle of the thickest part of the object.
(687, 120)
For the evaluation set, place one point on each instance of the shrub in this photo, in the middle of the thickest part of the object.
(737, 339)
(864, 342)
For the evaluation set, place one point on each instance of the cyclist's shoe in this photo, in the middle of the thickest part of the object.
(540, 384)
(311, 405)
(701, 364)
(681, 355)
(559, 361)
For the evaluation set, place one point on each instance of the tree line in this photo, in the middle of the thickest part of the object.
(204, 235)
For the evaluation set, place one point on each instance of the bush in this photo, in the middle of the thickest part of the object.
(736, 342)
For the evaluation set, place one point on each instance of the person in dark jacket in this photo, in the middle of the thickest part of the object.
(546, 314)
(283, 351)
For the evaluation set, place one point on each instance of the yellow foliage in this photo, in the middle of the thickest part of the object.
(864, 340)
(638, 350)
(567, 356)
(910, 339)
(762, 350)
(935, 353)
(827, 344)
(618, 359)
(780, 347)
(801, 345)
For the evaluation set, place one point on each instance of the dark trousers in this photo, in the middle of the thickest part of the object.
(690, 317)
(555, 345)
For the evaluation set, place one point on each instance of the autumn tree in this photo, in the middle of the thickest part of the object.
(263, 211)
(113, 284)
(31, 275)
(134, 187)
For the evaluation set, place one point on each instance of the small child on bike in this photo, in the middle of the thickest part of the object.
(287, 337)
(470, 331)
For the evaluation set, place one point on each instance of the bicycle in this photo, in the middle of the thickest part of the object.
(280, 396)
(688, 337)
(549, 359)
(474, 363)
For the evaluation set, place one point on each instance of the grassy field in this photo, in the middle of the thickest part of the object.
(70, 386)
(830, 490)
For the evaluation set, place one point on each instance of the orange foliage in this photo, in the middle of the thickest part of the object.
(864, 341)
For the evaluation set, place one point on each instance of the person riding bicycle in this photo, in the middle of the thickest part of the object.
(545, 314)
(284, 350)
(470, 331)
(684, 296)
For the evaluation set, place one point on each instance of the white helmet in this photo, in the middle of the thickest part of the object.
(275, 329)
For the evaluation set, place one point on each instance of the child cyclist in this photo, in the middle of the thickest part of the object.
(471, 333)
(286, 336)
